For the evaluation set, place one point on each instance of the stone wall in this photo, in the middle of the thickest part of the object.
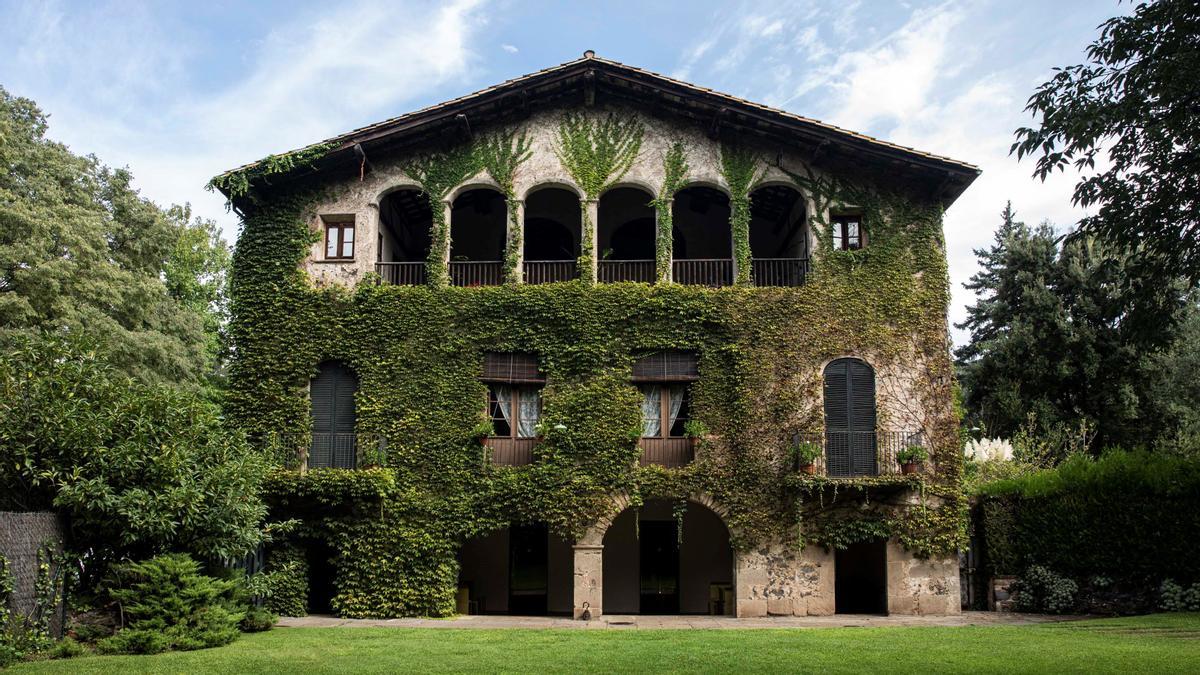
(22, 535)
(777, 580)
(920, 587)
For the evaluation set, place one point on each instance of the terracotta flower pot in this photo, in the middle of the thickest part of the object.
(908, 468)
(808, 469)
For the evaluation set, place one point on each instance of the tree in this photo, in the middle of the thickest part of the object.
(140, 468)
(80, 250)
(1057, 335)
(196, 275)
(1129, 121)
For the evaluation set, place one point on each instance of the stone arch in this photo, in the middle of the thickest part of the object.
(482, 182)
(554, 183)
(394, 186)
(656, 561)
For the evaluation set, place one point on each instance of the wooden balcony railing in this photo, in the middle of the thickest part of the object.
(611, 271)
(506, 451)
(313, 450)
(476, 272)
(703, 271)
(672, 453)
(401, 273)
(550, 271)
(859, 453)
(780, 271)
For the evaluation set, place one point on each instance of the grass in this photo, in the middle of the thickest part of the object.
(1158, 643)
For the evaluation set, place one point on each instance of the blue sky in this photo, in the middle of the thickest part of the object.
(179, 92)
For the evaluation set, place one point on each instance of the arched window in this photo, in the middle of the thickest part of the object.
(405, 223)
(332, 395)
(850, 418)
(778, 240)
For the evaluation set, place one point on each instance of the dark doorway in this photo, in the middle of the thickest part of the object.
(319, 556)
(860, 573)
(659, 569)
(528, 570)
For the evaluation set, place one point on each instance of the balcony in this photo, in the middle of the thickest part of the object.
(312, 450)
(550, 271)
(476, 272)
(507, 451)
(612, 271)
(714, 272)
(401, 273)
(854, 454)
(672, 452)
(780, 271)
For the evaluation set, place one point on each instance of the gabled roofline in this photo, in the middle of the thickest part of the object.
(960, 173)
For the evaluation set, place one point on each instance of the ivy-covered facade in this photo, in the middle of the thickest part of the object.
(590, 325)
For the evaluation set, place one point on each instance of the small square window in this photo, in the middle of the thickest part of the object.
(339, 238)
(847, 232)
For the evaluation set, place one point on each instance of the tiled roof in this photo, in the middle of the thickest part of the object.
(349, 138)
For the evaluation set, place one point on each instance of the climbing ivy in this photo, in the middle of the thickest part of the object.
(741, 170)
(438, 173)
(500, 155)
(596, 152)
(237, 183)
(675, 170)
(418, 353)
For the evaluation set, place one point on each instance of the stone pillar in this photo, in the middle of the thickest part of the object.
(516, 220)
(670, 273)
(589, 580)
(591, 209)
(447, 211)
(778, 580)
(921, 587)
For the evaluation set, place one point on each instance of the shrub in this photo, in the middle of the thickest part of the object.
(1175, 598)
(283, 584)
(913, 454)
(258, 620)
(1133, 517)
(1043, 591)
(168, 604)
(67, 648)
(806, 453)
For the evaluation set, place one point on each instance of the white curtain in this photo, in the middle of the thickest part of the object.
(531, 409)
(677, 392)
(504, 402)
(651, 411)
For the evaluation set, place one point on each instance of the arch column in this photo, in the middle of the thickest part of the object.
(516, 219)
(591, 217)
(588, 591)
(447, 209)
(667, 237)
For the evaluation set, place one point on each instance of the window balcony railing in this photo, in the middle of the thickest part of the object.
(476, 272)
(703, 271)
(401, 273)
(508, 451)
(780, 271)
(672, 452)
(850, 454)
(312, 450)
(550, 271)
(612, 271)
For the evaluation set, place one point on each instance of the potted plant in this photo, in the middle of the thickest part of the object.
(481, 431)
(805, 454)
(910, 457)
(694, 430)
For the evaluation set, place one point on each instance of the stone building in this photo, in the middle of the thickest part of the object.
(771, 292)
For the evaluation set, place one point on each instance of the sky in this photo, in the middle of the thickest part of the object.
(181, 91)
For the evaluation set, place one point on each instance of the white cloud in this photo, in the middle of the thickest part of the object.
(511, 49)
(305, 80)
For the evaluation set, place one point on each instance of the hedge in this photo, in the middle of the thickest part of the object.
(1133, 517)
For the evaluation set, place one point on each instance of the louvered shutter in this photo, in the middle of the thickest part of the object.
(862, 418)
(667, 366)
(837, 419)
(511, 367)
(332, 394)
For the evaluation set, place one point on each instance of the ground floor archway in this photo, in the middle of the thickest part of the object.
(520, 570)
(655, 563)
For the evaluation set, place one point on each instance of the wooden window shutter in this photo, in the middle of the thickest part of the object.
(850, 418)
(666, 366)
(515, 367)
(333, 417)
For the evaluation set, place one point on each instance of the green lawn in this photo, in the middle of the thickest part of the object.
(1159, 643)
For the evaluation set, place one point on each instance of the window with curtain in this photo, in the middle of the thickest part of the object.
(515, 410)
(664, 409)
